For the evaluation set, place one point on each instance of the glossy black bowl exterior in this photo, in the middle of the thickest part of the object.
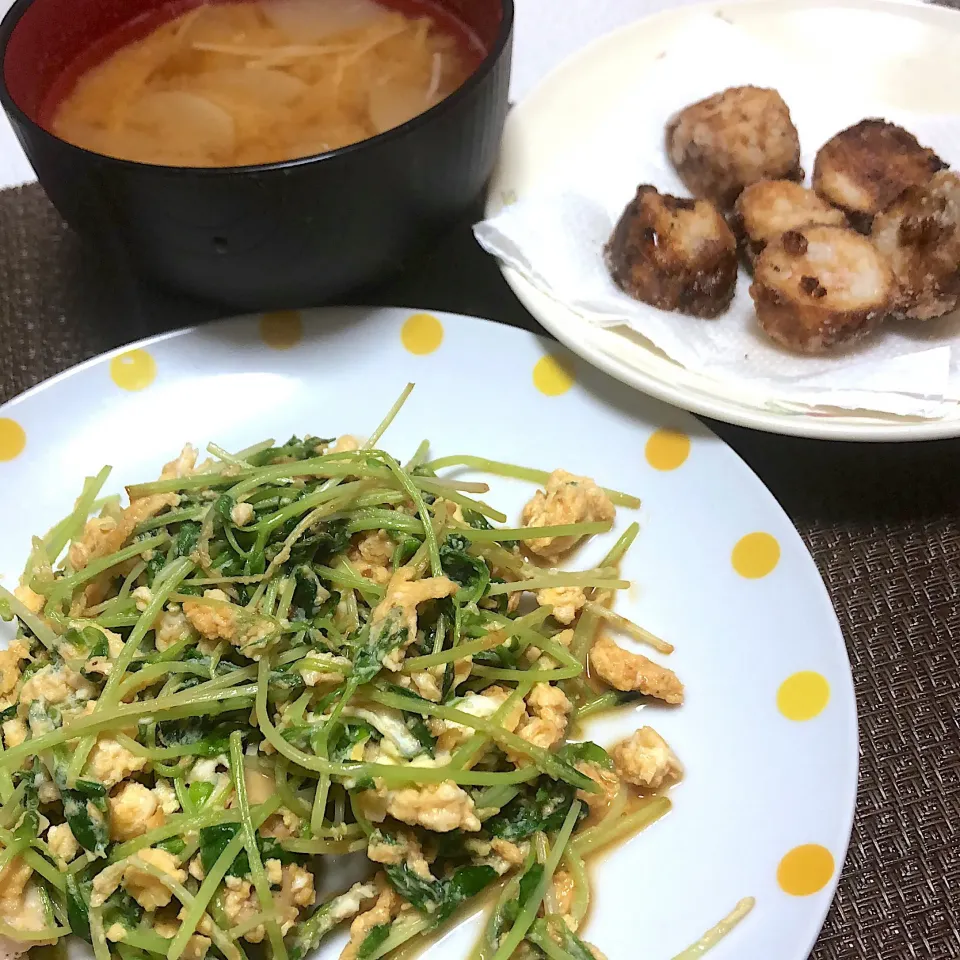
(289, 234)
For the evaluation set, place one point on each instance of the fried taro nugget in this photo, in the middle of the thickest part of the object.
(920, 237)
(864, 168)
(724, 143)
(768, 208)
(819, 287)
(674, 253)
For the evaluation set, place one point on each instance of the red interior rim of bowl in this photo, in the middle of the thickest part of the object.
(46, 45)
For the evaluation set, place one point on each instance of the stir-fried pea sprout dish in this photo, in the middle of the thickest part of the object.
(310, 649)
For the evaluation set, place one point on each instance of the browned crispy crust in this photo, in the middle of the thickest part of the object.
(920, 236)
(797, 301)
(674, 253)
(734, 138)
(864, 168)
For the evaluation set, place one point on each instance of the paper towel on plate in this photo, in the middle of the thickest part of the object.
(555, 237)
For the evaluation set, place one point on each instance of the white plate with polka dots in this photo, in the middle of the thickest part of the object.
(768, 732)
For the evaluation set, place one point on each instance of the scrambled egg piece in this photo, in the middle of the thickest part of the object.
(182, 466)
(295, 894)
(167, 926)
(567, 602)
(171, 627)
(62, 843)
(563, 890)
(482, 705)
(105, 535)
(221, 620)
(109, 763)
(20, 904)
(100, 665)
(10, 666)
(283, 825)
(646, 760)
(609, 784)
(534, 655)
(149, 891)
(134, 811)
(14, 732)
(387, 907)
(440, 807)
(403, 596)
(242, 514)
(55, 684)
(142, 597)
(196, 947)
(512, 853)
(502, 855)
(631, 671)
(371, 555)
(348, 904)
(240, 903)
(567, 499)
(345, 444)
(406, 849)
(429, 683)
(166, 796)
(544, 722)
(33, 601)
(340, 668)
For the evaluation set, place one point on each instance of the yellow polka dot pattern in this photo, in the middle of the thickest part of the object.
(803, 695)
(805, 870)
(667, 449)
(553, 376)
(755, 555)
(282, 329)
(12, 439)
(421, 334)
(133, 370)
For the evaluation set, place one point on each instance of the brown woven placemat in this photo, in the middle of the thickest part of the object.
(882, 522)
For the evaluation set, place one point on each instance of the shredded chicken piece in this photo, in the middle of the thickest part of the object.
(631, 671)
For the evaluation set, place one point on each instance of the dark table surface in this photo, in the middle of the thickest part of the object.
(882, 522)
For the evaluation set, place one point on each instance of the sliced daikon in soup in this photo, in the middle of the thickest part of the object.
(392, 105)
(256, 87)
(306, 21)
(184, 123)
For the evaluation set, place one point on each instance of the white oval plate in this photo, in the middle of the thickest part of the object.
(910, 51)
(758, 785)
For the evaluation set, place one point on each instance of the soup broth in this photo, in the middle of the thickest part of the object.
(261, 82)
